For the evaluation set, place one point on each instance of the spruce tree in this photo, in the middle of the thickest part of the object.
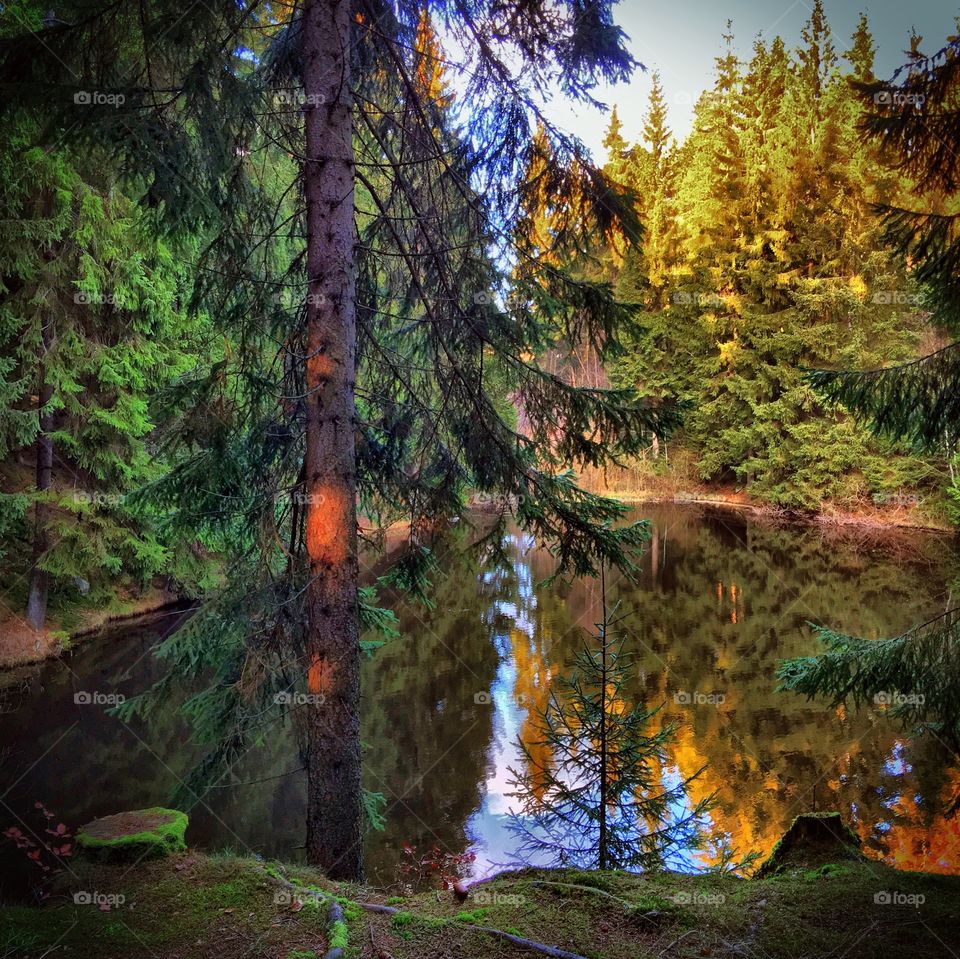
(913, 118)
(776, 262)
(349, 230)
(90, 327)
(591, 792)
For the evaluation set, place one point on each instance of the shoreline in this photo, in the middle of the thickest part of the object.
(22, 647)
(878, 521)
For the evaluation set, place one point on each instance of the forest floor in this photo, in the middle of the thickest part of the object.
(193, 906)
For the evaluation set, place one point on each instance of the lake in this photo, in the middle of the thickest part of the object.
(721, 598)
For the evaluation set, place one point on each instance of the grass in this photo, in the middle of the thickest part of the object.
(191, 905)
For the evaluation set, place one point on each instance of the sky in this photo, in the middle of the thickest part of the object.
(681, 39)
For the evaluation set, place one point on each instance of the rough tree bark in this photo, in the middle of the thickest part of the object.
(40, 578)
(334, 829)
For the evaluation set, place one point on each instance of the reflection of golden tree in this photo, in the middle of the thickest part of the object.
(532, 690)
(919, 842)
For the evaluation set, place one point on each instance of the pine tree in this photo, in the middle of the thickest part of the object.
(590, 792)
(369, 349)
(919, 400)
(917, 672)
(862, 52)
(91, 326)
(613, 139)
(776, 262)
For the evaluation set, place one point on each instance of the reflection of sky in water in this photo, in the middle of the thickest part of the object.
(487, 828)
(897, 764)
(518, 631)
(490, 840)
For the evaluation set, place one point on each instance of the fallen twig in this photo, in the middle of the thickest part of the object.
(532, 944)
(675, 942)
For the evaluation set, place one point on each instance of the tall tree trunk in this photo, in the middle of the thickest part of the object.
(40, 578)
(604, 764)
(334, 828)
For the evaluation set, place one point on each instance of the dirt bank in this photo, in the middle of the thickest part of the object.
(21, 645)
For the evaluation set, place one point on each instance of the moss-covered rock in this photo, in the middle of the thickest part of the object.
(140, 834)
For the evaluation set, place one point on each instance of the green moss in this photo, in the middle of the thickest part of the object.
(827, 869)
(476, 917)
(338, 935)
(651, 903)
(393, 900)
(812, 834)
(108, 838)
(209, 907)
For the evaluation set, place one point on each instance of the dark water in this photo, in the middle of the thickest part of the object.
(720, 601)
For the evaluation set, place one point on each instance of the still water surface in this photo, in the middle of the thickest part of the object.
(720, 601)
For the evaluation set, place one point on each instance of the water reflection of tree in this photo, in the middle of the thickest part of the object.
(732, 599)
(426, 739)
(768, 755)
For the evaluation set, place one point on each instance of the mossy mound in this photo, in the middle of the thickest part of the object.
(140, 834)
(814, 839)
(224, 907)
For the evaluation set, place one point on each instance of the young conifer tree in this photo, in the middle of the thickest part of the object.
(594, 791)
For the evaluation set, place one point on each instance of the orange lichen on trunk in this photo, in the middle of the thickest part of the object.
(330, 509)
(320, 675)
